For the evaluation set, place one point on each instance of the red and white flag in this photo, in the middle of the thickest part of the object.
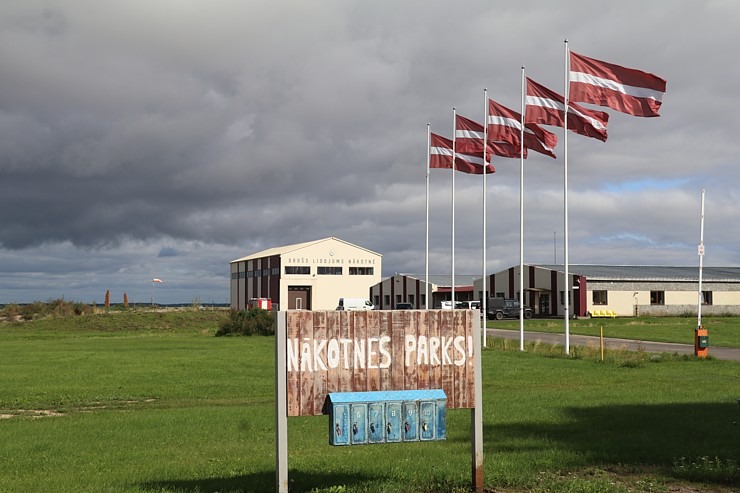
(548, 107)
(505, 124)
(469, 139)
(440, 156)
(624, 89)
(157, 280)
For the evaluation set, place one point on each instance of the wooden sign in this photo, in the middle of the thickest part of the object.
(358, 351)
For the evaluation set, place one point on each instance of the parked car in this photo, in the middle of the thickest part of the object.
(404, 306)
(355, 304)
(499, 308)
(461, 305)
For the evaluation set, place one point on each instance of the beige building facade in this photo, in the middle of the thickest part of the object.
(305, 276)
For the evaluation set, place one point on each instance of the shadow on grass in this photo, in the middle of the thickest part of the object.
(255, 483)
(637, 435)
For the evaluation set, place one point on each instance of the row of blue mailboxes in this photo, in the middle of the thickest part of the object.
(386, 417)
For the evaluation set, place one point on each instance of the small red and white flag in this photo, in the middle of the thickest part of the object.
(505, 124)
(440, 156)
(157, 280)
(469, 139)
(624, 89)
(548, 108)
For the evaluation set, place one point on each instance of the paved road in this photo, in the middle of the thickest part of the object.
(612, 343)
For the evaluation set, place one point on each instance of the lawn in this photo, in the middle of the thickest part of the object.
(153, 402)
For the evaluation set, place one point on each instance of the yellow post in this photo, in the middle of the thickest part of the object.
(601, 338)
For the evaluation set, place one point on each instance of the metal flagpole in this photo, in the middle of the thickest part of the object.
(701, 257)
(521, 218)
(426, 262)
(565, 203)
(454, 156)
(485, 144)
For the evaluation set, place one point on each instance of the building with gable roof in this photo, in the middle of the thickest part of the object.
(310, 276)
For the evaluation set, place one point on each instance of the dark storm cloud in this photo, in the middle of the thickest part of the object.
(167, 138)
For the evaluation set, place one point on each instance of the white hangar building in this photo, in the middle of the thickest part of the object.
(309, 276)
(628, 290)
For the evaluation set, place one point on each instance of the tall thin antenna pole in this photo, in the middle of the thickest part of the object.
(701, 257)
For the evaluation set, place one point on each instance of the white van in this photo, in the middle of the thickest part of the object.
(355, 304)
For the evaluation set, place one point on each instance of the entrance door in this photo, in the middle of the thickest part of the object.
(299, 297)
(544, 304)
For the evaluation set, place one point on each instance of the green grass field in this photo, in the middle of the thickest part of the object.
(153, 402)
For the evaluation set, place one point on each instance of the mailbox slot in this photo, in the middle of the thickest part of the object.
(703, 341)
(357, 418)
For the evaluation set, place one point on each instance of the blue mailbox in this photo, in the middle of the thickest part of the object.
(387, 417)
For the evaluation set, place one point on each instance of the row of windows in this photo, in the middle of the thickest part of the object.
(599, 297)
(305, 270)
(256, 273)
(399, 299)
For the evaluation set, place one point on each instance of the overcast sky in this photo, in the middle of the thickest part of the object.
(144, 139)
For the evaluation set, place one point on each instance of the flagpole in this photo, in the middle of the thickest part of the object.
(521, 219)
(485, 144)
(454, 157)
(565, 202)
(701, 258)
(426, 256)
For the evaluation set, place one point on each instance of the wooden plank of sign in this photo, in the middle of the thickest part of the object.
(372, 360)
(422, 338)
(384, 332)
(460, 377)
(397, 351)
(359, 374)
(307, 381)
(435, 370)
(333, 333)
(320, 369)
(294, 324)
(448, 369)
(346, 362)
(410, 374)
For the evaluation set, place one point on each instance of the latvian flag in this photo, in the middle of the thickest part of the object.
(548, 108)
(440, 156)
(624, 89)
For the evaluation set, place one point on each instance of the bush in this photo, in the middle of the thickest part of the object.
(248, 322)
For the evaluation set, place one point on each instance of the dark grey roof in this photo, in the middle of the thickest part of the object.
(649, 272)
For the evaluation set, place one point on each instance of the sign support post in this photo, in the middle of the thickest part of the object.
(281, 400)
(477, 411)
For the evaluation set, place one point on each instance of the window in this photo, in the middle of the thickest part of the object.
(376, 300)
(423, 299)
(386, 299)
(706, 297)
(599, 297)
(250, 274)
(411, 299)
(297, 269)
(500, 295)
(360, 271)
(562, 297)
(657, 297)
(398, 296)
(329, 271)
(275, 271)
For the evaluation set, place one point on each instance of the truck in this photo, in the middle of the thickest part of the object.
(350, 304)
(499, 308)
